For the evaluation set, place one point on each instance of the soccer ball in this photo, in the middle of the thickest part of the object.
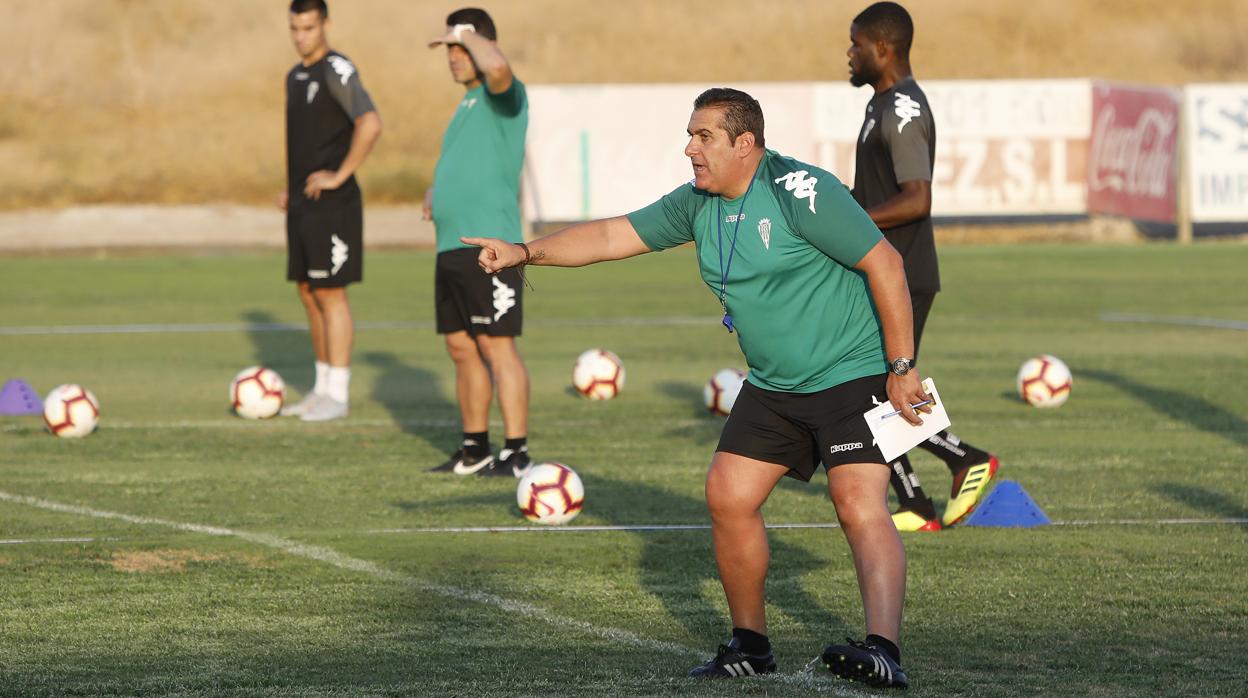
(257, 393)
(550, 493)
(721, 391)
(598, 374)
(1044, 381)
(71, 411)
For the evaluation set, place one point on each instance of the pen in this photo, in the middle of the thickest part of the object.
(915, 406)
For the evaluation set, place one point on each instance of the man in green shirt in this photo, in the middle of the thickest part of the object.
(818, 301)
(476, 192)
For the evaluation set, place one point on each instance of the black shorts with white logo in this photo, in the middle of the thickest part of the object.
(466, 298)
(801, 430)
(325, 240)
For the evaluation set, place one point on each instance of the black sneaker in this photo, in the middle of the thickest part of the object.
(461, 464)
(514, 463)
(862, 661)
(732, 663)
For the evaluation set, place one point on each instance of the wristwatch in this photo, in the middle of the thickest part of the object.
(901, 366)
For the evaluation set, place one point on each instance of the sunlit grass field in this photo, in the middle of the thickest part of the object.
(213, 555)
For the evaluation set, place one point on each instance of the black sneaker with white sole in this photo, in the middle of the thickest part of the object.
(731, 663)
(514, 463)
(865, 662)
(463, 464)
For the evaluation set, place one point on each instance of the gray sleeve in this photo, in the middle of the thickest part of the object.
(346, 88)
(908, 133)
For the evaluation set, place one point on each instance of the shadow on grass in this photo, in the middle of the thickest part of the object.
(414, 399)
(1198, 412)
(288, 353)
(688, 394)
(1214, 503)
(676, 568)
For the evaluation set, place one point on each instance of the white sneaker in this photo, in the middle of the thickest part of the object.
(298, 408)
(324, 409)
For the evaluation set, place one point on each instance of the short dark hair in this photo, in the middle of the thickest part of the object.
(298, 7)
(889, 22)
(741, 112)
(478, 18)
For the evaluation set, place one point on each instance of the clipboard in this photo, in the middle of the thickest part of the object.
(894, 435)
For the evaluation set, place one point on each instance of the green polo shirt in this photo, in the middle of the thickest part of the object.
(804, 317)
(476, 184)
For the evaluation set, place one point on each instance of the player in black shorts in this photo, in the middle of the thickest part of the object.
(331, 125)
(476, 191)
(893, 182)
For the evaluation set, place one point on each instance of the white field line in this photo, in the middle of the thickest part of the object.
(181, 328)
(1175, 320)
(346, 562)
(638, 528)
(803, 678)
(350, 422)
(38, 541)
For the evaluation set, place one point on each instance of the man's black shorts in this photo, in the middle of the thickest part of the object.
(325, 241)
(466, 298)
(800, 430)
(921, 305)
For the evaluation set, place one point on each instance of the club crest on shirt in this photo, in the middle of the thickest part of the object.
(764, 232)
(866, 129)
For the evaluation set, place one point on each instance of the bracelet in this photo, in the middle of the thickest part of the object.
(527, 255)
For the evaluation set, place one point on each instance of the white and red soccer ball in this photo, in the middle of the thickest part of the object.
(598, 374)
(550, 493)
(257, 393)
(1044, 381)
(71, 411)
(720, 392)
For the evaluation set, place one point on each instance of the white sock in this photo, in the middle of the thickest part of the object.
(321, 386)
(339, 382)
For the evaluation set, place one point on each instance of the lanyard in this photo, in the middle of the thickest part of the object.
(732, 250)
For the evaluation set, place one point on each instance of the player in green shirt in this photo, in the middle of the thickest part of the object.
(476, 192)
(818, 300)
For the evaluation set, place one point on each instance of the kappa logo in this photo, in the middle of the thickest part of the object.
(802, 186)
(841, 448)
(343, 67)
(906, 109)
(764, 232)
(337, 253)
(866, 129)
(504, 298)
(313, 87)
(469, 102)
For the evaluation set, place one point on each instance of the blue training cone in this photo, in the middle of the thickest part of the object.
(1007, 506)
(17, 397)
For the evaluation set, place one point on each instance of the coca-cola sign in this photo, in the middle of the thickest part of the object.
(1132, 168)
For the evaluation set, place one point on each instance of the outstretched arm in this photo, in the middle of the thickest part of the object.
(574, 246)
(887, 278)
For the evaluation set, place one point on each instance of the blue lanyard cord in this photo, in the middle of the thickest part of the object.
(732, 250)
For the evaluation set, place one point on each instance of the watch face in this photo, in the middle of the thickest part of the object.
(901, 367)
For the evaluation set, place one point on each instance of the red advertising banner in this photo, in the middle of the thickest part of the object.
(1133, 153)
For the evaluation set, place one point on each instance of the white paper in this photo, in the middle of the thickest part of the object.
(894, 435)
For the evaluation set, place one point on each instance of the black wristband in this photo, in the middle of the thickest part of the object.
(527, 255)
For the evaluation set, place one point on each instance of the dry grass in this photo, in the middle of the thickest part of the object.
(135, 561)
(181, 100)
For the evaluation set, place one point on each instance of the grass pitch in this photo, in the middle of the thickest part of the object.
(276, 558)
